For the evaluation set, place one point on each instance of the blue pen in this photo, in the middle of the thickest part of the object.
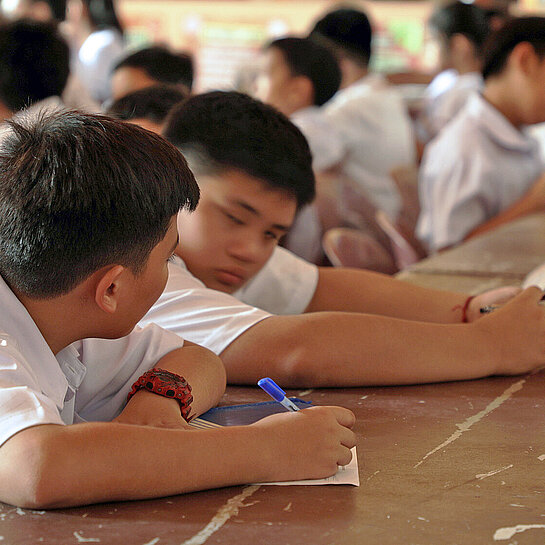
(277, 393)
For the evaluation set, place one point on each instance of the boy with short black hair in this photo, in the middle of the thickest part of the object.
(254, 171)
(298, 76)
(147, 107)
(485, 161)
(369, 114)
(87, 227)
(149, 66)
(34, 66)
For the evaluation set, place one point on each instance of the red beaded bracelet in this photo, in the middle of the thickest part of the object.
(167, 384)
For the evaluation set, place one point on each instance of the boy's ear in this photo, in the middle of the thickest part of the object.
(108, 288)
(524, 57)
(304, 88)
(461, 47)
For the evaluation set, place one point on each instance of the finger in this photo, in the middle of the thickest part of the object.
(348, 438)
(533, 293)
(345, 457)
(344, 417)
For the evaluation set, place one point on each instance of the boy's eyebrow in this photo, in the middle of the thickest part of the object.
(255, 212)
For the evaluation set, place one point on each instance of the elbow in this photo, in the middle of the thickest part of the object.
(296, 367)
(31, 473)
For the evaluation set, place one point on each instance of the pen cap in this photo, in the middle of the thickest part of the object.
(271, 388)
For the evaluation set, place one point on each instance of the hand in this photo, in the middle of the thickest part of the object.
(149, 409)
(497, 296)
(308, 444)
(517, 333)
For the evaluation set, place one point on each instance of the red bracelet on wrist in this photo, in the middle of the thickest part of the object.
(167, 384)
(464, 308)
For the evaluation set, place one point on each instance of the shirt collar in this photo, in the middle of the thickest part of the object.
(498, 127)
(19, 325)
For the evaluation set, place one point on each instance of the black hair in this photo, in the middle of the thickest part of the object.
(502, 42)
(346, 30)
(79, 192)
(102, 14)
(34, 63)
(307, 58)
(153, 103)
(162, 65)
(459, 18)
(226, 129)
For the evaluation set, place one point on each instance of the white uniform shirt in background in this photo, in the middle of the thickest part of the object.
(477, 166)
(372, 120)
(88, 380)
(94, 61)
(214, 319)
(285, 285)
(448, 104)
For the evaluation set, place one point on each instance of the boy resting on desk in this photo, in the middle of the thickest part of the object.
(87, 226)
(345, 327)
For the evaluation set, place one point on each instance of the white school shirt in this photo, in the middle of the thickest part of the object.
(87, 381)
(448, 104)
(476, 167)
(376, 131)
(323, 140)
(93, 62)
(214, 319)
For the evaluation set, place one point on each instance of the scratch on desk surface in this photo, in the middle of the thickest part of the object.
(305, 392)
(230, 509)
(466, 425)
(153, 541)
(502, 534)
(481, 476)
(82, 539)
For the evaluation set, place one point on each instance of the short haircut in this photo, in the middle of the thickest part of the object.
(223, 130)
(162, 65)
(348, 30)
(459, 18)
(314, 61)
(79, 192)
(153, 103)
(34, 63)
(502, 42)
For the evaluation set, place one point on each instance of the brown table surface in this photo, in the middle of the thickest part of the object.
(439, 464)
(459, 463)
(512, 250)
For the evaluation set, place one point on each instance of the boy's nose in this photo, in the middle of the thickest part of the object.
(247, 249)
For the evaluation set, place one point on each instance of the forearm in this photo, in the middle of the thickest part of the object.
(346, 349)
(202, 369)
(98, 462)
(353, 290)
(532, 202)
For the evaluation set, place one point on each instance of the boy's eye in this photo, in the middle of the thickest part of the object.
(271, 235)
(171, 258)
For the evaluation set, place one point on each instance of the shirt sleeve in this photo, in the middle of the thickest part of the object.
(207, 317)
(453, 195)
(22, 403)
(113, 366)
(285, 285)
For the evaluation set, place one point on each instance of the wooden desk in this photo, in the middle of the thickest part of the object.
(439, 464)
(512, 251)
(459, 463)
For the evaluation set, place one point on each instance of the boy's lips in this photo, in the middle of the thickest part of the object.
(231, 277)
